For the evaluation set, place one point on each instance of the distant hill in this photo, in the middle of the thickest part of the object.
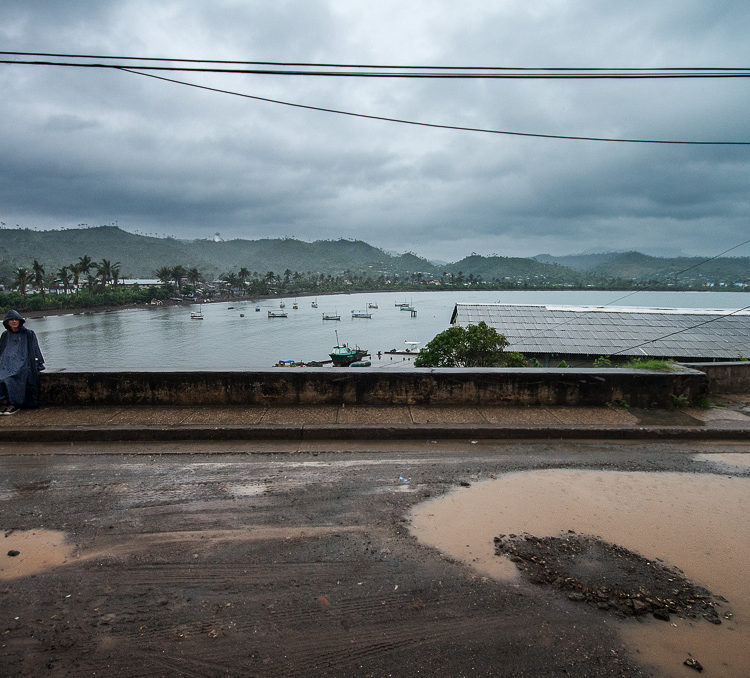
(141, 255)
(642, 267)
(579, 262)
(513, 268)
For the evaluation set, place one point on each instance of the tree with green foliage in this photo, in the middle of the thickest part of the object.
(116, 274)
(64, 277)
(23, 278)
(86, 263)
(194, 276)
(75, 272)
(178, 273)
(473, 346)
(164, 274)
(38, 276)
(104, 269)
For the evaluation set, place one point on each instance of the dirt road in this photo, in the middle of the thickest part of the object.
(276, 560)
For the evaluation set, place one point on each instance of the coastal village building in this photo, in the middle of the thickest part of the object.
(581, 334)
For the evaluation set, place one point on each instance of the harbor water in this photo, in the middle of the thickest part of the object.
(233, 335)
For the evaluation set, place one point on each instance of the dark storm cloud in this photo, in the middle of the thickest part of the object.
(102, 147)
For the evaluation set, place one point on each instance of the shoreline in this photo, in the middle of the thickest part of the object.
(108, 308)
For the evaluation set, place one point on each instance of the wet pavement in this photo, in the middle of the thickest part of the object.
(289, 558)
(728, 418)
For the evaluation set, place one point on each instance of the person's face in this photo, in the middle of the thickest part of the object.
(14, 324)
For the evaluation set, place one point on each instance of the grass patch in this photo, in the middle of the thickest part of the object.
(650, 364)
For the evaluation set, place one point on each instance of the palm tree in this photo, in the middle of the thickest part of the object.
(178, 272)
(23, 278)
(242, 275)
(38, 276)
(115, 274)
(75, 271)
(63, 276)
(90, 282)
(164, 274)
(194, 276)
(104, 270)
(232, 281)
(86, 263)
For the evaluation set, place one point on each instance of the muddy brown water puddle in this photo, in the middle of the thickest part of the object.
(697, 522)
(38, 551)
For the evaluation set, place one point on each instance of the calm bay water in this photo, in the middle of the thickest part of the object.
(166, 337)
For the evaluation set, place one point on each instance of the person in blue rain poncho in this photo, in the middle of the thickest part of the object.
(20, 364)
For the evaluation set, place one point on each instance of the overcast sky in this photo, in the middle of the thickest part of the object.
(85, 146)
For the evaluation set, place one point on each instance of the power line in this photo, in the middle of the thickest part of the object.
(447, 73)
(630, 294)
(416, 123)
(684, 329)
(676, 273)
(561, 69)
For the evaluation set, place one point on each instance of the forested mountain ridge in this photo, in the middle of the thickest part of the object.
(638, 266)
(140, 256)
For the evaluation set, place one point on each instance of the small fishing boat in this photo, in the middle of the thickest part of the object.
(407, 307)
(343, 355)
(361, 314)
(196, 315)
(372, 304)
(402, 304)
(282, 304)
(314, 304)
(331, 316)
(277, 314)
(257, 309)
(294, 305)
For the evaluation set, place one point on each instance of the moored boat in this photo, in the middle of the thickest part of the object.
(331, 316)
(361, 314)
(277, 314)
(343, 355)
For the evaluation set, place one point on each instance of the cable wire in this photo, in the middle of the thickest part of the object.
(520, 69)
(684, 329)
(448, 73)
(630, 294)
(435, 125)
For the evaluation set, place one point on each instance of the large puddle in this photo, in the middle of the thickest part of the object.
(699, 523)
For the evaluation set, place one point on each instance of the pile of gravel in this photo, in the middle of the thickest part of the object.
(609, 577)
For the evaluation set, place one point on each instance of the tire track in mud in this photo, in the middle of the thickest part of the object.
(308, 651)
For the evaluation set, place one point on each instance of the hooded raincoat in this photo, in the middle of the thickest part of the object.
(20, 364)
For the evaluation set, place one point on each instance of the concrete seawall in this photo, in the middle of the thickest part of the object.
(726, 377)
(362, 386)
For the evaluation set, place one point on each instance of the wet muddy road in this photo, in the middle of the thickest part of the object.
(272, 560)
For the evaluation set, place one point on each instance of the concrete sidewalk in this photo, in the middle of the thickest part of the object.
(729, 420)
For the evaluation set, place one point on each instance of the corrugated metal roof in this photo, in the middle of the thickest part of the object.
(609, 330)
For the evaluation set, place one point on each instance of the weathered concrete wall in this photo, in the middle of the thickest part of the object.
(362, 386)
(726, 377)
